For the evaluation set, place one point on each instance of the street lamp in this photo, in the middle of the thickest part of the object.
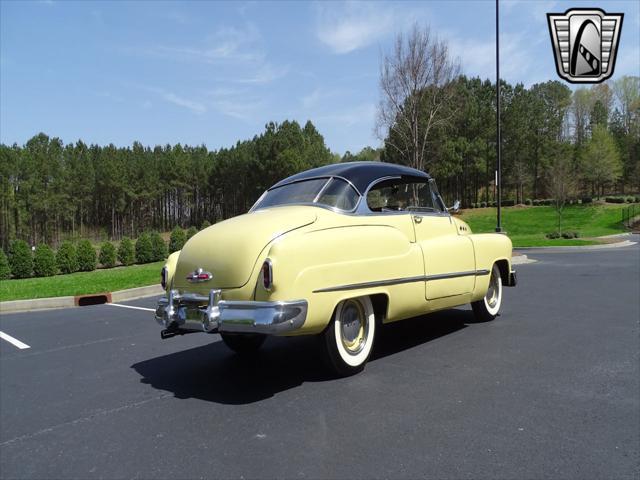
(498, 169)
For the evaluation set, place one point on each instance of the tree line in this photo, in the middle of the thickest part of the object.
(589, 138)
(50, 192)
(596, 131)
(555, 141)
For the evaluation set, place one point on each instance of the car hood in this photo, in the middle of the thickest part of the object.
(229, 249)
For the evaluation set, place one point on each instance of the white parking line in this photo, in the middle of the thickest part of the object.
(130, 306)
(13, 341)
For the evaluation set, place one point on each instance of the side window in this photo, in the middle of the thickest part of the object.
(400, 194)
(339, 194)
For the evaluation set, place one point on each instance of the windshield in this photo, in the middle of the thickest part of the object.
(333, 192)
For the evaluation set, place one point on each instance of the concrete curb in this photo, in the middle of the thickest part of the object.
(626, 243)
(16, 306)
(521, 259)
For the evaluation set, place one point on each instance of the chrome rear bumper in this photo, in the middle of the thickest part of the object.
(198, 313)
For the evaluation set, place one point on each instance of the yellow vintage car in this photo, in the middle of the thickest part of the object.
(334, 251)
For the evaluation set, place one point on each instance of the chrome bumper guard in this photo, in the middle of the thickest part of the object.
(198, 313)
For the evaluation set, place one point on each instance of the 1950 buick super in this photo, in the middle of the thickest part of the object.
(333, 251)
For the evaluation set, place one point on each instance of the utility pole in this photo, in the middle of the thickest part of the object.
(498, 170)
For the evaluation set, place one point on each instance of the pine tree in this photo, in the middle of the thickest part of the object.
(107, 255)
(66, 258)
(86, 256)
(5, 268)
(126, 252)
(177, 240)
(20, 259)
(44, 262)
(191, 232)
(144, 249)
(158, 247)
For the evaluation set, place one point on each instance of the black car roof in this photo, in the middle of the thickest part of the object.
(360, 174)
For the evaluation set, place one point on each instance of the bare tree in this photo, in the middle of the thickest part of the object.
(416, 86)
(561, 178)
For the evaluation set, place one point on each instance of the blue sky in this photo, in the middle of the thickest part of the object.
(214, 73)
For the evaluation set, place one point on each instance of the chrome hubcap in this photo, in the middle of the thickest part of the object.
(353, 327)
(492, 292)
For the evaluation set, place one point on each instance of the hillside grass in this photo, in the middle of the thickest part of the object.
(527, 226)
(81, 283)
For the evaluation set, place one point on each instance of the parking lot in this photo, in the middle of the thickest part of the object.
(549, 389)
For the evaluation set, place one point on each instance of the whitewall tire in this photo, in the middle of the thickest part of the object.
(348, 339)
(487, 309)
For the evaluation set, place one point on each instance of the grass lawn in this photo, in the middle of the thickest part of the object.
(527, 226)
(106, 280)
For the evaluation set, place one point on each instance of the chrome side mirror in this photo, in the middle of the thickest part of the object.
(455, 208)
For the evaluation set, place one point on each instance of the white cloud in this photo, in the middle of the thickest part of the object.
(354, 25)
(477, 57)
(318, 97)
(266, 73)
(237, 44)
(357, 115)
(236, 103)
(194, 106)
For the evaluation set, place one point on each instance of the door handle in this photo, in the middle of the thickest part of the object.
(417, 219)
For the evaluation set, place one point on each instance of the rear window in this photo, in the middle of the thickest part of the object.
(332, 192)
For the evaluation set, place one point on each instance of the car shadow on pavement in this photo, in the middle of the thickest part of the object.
(214, 373)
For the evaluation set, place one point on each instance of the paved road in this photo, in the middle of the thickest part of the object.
(549, 390)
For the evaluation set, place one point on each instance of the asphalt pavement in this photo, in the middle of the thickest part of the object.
(550, 389)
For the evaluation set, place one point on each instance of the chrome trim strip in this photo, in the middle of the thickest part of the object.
(324, 187)
(398, 281)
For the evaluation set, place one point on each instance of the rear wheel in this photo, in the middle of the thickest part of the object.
(487, 308)
(243, 343)
(348, 339)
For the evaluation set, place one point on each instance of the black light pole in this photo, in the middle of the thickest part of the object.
(498, 171)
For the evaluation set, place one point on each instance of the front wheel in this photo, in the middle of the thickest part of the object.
(348, 339)
(243, 343)
(487, 308)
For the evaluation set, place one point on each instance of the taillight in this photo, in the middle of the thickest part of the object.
(267, 275)
(163, 277)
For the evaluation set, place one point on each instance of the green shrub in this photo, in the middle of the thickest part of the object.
(638, 199)
(158, 247)
(614, 200)
(553, 235)
(191, 232)
(5, 269)
(586, 200)
(126, 252)
(86, 256)
(494, 204)
(20, 259)
(630, 199)
(107, 255)
(177, 239)
(205, 224)
(144, 249)
(44, 262)
(66, 258)
(508, 203)
(527, 201)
